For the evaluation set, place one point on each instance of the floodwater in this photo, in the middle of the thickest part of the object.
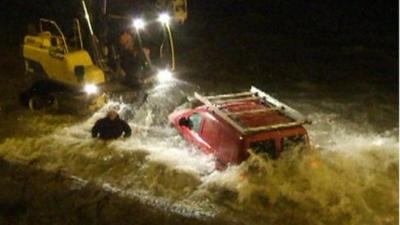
(346, 84)
(350, 176)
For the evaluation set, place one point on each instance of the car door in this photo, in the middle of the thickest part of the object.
(192, 133)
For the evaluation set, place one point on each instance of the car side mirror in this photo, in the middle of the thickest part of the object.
(79, 72)
(185, 122)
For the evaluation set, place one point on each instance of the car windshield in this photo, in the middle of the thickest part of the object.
(291, 142)
(266, 148)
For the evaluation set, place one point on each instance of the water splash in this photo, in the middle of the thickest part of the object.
(349, 177)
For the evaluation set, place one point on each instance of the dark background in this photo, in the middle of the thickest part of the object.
(314, 40)
(361, 19)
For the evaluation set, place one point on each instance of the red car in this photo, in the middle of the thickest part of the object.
(227, 126)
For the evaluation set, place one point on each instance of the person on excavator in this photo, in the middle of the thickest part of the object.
(111, 127)
(132, 57)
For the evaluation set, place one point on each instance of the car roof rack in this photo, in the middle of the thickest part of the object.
(217, 102)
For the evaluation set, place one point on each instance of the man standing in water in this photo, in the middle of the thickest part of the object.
(111, 127)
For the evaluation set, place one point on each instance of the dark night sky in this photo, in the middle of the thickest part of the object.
(318, 16)
(324, 17)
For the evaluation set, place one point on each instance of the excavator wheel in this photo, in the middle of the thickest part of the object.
(42, 102)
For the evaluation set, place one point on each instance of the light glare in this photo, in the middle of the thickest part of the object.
(138, 23)
(164, 75)
(90, 89)
(164, 18)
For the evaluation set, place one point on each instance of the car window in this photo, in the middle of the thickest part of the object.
(266, 147)
(195, 121)
(294, 142)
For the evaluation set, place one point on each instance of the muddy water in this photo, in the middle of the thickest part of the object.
(350, 176)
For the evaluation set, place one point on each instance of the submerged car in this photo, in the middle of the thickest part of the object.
(230, 126)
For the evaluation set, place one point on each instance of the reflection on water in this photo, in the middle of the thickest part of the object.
(350, 176)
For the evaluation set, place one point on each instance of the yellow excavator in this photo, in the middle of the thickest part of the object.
(61, 69)
(50, 56)
(65, 67)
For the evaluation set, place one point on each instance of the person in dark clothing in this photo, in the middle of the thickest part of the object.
(134, 58)
(111, 127)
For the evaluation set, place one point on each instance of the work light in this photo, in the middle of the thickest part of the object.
(138, 23)
(90, 89)
(164, 18)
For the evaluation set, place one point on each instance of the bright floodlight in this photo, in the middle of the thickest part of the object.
(164, 75)
(164, 18)
(90, 89)
(138, 23)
